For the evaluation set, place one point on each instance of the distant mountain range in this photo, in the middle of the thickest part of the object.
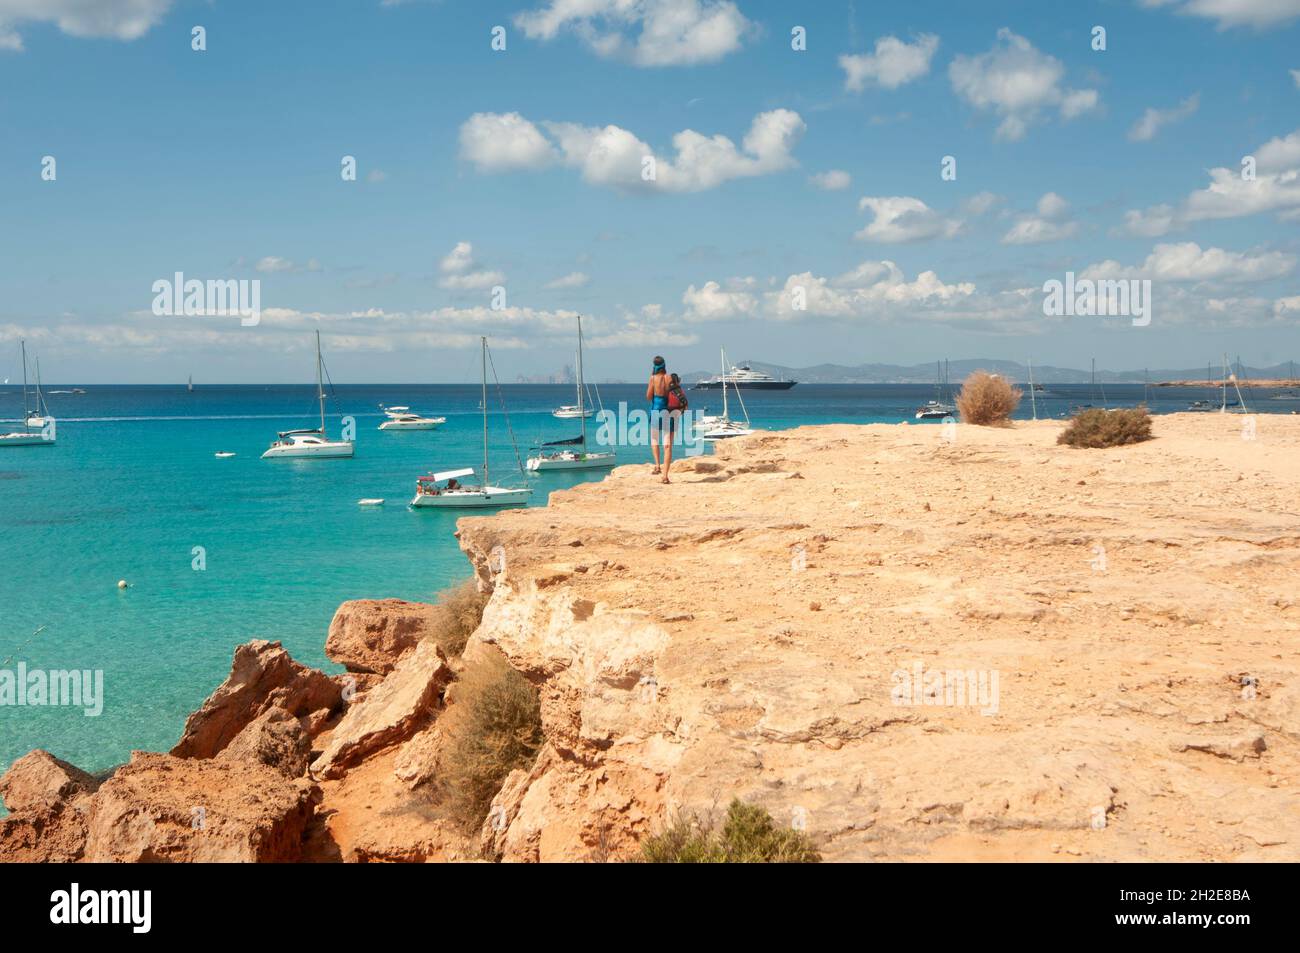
(958, 370)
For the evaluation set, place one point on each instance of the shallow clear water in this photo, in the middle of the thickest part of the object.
(132, 487)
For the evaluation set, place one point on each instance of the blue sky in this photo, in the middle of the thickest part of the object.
(776, 169)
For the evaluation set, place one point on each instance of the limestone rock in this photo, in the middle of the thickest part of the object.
(371, 635)
(276, 739)
(38, 778)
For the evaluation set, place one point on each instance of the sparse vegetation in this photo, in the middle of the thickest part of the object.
(459, 612)
(1107, 428)
(987, 400)
(748, 836)
(498, 729)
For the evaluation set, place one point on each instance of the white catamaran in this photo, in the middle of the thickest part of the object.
(445, 489)
(549, 457)
(310, 443)
(44, 435)
(724, 428)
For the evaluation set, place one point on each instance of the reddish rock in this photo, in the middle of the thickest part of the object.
(263, 676)
(276, 739)
(38, 778)
(52, 833)
(391, 712)
(163, 808)
(372, 635)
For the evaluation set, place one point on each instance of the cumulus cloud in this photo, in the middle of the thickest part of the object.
(1153, 119)
(461, 272)
(1048, 223)
(1018, 83)
(1188, 262)
(1230, 13)
(644, 32)
(113, 19)
(712, 303)
(902, 218)
(832, 180)
(272, 264)
(892, 64)
(1275, 188)
(616, 158)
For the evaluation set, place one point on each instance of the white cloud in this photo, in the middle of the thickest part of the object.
(114, 19)
(832, 180)
(712, 303)
(461, 272)
(1145, 129)
(1018, 83)
(893, 64)
(902, 218)
(667, 32)
(272, 264)
(1048, 224)
(1275, 188)
(1295, 75)
(1187, 261)
(575, 279)
(614, 157)
(1230, 13)
(499, 142)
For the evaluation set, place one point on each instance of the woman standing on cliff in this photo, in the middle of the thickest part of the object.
(657, 393)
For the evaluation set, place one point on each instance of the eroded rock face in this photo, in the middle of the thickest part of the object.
(263, 676)
(163, 808)
(390, 712)
(372, 635)
(275, 739)
(52, 833)
(38, 779)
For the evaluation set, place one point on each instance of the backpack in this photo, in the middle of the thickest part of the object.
(676, 399)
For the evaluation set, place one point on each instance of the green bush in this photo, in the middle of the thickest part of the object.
(748, 836)
(1107, 428)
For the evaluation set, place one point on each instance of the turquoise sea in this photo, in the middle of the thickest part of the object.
(132, 487)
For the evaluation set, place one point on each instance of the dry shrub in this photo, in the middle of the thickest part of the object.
(1107, 428)
(987, 399)
(748, 836)
(498, 729)
(458, 612)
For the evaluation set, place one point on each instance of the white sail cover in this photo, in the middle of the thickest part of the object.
(453, 474)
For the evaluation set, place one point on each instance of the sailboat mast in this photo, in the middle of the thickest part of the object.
(320, 386)
(582, 409)
(723, 352)
(26, 412)
(485, 445)
(1033, 402)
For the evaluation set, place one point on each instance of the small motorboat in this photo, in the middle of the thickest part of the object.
(370, 501)
(224, 454)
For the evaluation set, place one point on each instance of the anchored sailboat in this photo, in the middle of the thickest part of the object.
(310, 443)
(942, 405)
(44, 436)
(445, 489)
(573, 459)
(724, 427)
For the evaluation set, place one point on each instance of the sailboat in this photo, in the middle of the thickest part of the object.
(25, 438)
(573, 459)
(1238, 406)
(724, 427)
(941, 406)
(444, 489)
(1289, 394)
(40, 412)
(310, 443)
(1092, 392)
(189, 387)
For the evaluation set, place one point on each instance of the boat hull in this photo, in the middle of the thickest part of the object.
(411, 425)
(592, 461)
(493, 496)
(25, 440)
(315, 451)
(746, 385)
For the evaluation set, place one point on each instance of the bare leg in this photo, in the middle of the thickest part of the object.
(654, 445)
(668, 453)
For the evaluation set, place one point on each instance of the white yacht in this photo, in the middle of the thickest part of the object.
(39, 415)
(942, 406)
(445, 489)
(744, 376)
(401, 418)
(43, 436)
(572, 412)
(310, 443)
(550, 458)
